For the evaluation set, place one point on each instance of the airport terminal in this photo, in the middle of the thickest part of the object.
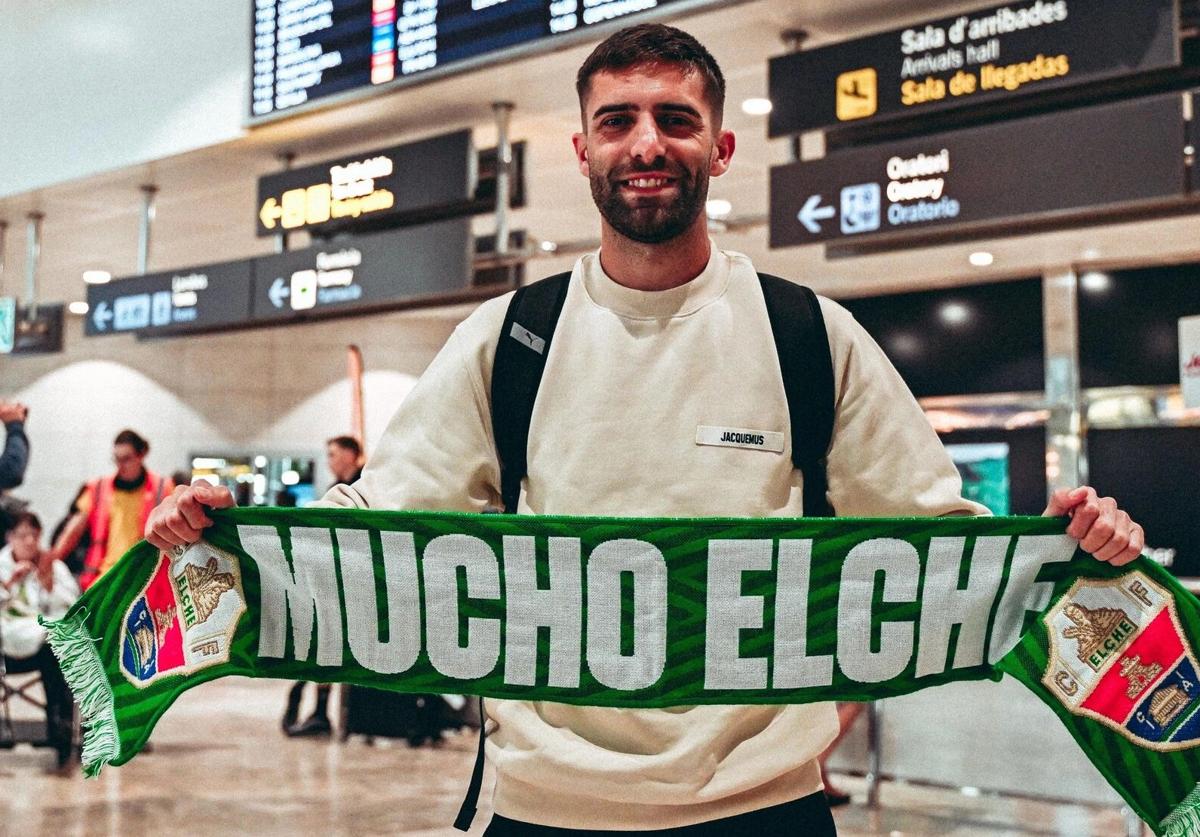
(257, 265)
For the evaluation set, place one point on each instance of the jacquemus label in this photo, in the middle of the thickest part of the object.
(740, 437)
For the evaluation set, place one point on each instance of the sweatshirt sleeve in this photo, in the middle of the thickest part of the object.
(437, 452)
(15, 457)
(885, 459)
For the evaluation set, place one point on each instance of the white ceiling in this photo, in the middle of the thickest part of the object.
(206, 200)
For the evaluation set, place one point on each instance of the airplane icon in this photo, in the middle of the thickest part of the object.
(857, 94)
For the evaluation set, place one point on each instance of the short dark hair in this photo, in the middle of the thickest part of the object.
(348, 443)
(654, 43)
(128, 437)
(15, 519)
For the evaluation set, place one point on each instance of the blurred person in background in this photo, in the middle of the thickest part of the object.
(113, 509)
(32, 585)
(13, 460)
(343, 455)
(15, 457)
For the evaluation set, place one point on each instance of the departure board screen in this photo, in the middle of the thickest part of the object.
(305, 50)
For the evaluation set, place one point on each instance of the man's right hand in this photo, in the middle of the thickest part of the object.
(180, 519)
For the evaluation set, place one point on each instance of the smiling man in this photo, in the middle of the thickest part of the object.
(661, 396)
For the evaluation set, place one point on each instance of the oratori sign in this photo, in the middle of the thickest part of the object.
(1062, 167)
(979, 57)
(406, 183)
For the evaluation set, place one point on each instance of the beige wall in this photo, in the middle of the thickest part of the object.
(278, 390)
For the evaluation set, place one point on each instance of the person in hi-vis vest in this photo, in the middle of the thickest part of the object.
(113, 509)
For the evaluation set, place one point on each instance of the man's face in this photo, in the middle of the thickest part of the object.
(649, 146)
(342, 462)
(128, 460)
(24, 542)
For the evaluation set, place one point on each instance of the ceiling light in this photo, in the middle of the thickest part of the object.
(718, 208)
(549, 247)
(954, 313)
(981, 258)
(756, 107)
(78, 308)
(1095, 282)
(96, 277)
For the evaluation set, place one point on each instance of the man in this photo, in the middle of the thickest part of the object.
(13, 460)
(31, 586)
(343, 455)
(660, 333)
(113, 509)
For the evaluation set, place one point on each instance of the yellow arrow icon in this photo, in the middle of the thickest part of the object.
(270, 213)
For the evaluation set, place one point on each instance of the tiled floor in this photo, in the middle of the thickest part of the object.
(220, 766)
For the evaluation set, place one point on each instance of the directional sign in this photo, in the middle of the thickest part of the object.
(1060, 166)
(976, 58)
(1189, 361)
(405, 183)
(364, 272)
(812, 212)
(8, 324)
(177, 302)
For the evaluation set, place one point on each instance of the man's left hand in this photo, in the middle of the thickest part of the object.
(1102, 529)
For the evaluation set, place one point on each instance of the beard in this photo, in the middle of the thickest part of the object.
(645, 220)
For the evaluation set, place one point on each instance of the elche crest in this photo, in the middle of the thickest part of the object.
(1118, 655)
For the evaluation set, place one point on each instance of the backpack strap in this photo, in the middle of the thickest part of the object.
(517, 373)
(807, 368)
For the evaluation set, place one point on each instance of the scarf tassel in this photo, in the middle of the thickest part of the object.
(1184, 821)
(83, 670)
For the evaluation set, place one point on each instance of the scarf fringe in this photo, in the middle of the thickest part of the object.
(83, 670)
(1184, 820)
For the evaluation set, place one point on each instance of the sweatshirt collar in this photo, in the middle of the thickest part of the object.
(676, 302)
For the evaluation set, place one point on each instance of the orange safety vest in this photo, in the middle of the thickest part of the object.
(98, 519)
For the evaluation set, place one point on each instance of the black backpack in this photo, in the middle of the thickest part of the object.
(801, 343)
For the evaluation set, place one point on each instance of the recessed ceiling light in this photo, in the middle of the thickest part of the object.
(718, 208)
(954, 313)
(78, 308)
(96, 277)
(756, 107)
(981, 258)
(1095, 282)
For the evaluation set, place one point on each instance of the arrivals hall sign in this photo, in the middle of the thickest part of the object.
(980, 57)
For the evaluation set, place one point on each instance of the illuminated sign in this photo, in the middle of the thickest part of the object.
(978, 57)
(405, 183)
(1056, 167)
(176, 302)
(8, 324)
(307, 50)
(364, 272)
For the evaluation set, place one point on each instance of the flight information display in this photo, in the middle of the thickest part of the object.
(306, 50)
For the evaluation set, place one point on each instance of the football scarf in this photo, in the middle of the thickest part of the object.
(646, 612)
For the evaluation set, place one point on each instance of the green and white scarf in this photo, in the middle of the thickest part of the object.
(646, 612)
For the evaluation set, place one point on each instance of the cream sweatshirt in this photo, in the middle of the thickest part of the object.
(630, 377)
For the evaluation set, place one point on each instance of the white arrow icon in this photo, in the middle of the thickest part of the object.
(102, 316)
(812, 212)
(278, 292)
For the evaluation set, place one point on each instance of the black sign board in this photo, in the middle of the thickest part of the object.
(41, 334)
(364, 272)
(306, 50)
(975, 58)
(1051, 167)
(176, 302)
(407, 182)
